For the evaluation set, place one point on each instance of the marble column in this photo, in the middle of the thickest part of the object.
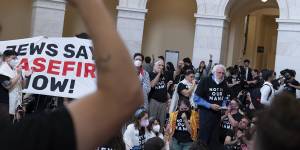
(48, 18)
(209, 34)
(288, 46)
(130, 24)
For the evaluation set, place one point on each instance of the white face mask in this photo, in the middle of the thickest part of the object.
(13, 63)
(156, 128)
(145, 123)
(137, 63)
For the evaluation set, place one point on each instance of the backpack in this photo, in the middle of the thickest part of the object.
(256, 97)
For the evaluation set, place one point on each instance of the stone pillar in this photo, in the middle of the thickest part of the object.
(209, 34)
(48, 18)
(130, 24)
(288, 46)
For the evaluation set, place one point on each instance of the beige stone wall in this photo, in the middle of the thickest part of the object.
(15, 19)
(74, 25)
(262, 31)
(169, 25)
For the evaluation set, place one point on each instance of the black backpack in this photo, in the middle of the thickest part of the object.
(256, 97)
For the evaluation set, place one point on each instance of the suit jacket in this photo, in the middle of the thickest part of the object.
(243, 73)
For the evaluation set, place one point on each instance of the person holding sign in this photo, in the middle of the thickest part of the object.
(90, 121)
(10, 87)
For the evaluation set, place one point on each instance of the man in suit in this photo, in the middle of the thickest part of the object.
(246, 71)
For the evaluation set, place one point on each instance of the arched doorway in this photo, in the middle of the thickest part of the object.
(252, 33)
(73, 23)
(169, 25)
(15, 19)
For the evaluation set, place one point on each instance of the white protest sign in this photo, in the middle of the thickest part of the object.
(61, 67)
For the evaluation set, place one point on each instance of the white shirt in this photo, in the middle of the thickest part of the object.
(265, 92)
(247, 71)
(15, 95)
(131, 137)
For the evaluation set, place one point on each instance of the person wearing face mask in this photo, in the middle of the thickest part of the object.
(154, 129)
(10, 87)
(183, 126)
(143, 76)
(135, 134)
(210, 95)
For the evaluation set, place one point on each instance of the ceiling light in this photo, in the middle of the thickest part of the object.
(264, 1)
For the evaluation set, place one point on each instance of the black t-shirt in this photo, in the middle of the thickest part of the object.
(212, 92)
(234, 90)
(227, 127)
(169, 76)
(236, 146)
(181, 87)
(159, 91)
(225, 124)
(179, 78)
(181, 133)
(44, 131)
(290, 89)
(4, 93)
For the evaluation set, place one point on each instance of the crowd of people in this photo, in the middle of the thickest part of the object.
(207, 107)
(209, 103)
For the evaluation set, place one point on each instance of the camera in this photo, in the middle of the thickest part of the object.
(287, 74)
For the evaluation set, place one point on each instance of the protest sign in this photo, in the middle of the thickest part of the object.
(61, 67)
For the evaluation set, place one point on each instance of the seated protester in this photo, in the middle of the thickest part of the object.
(183, 126)
(230, 119)
(235, 139)
(246, 105)
(155, 143)
(116, 143)
(234, 83)
(184, 89)
(134, 136)
(153, 129)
